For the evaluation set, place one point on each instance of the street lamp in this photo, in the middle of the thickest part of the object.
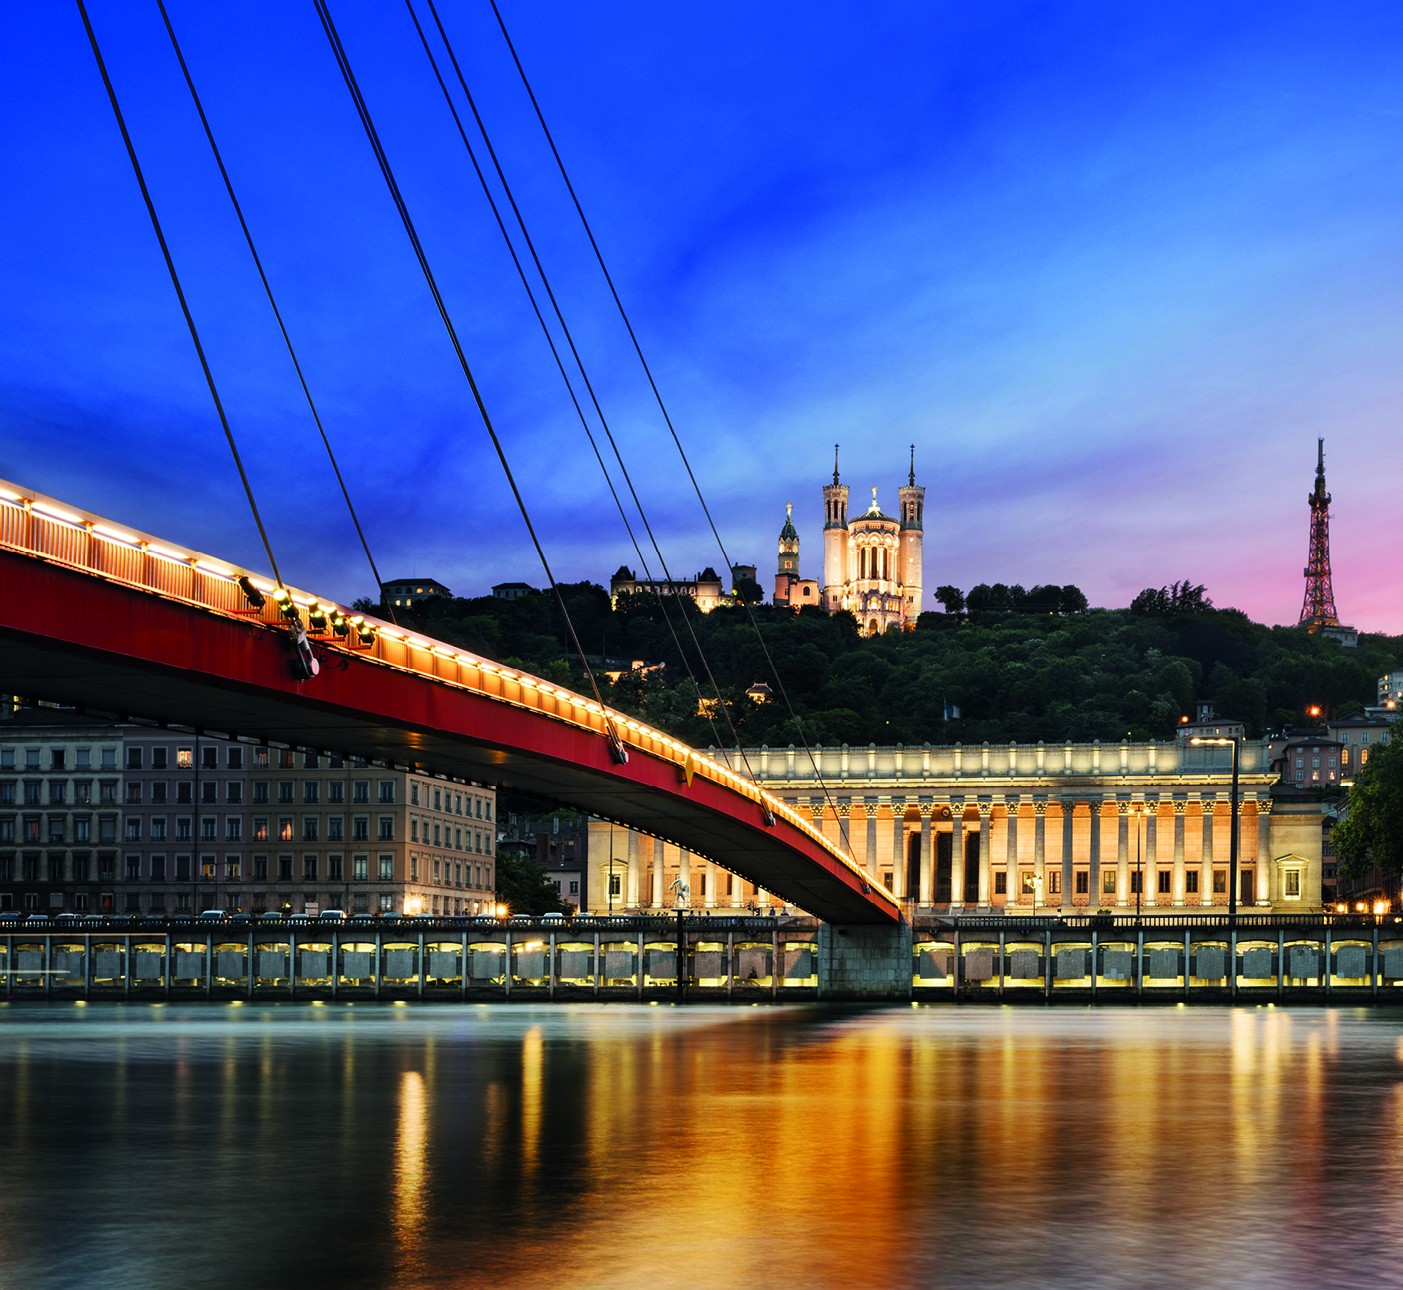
(1235, 743)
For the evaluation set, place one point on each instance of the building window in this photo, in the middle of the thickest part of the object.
(285, 829)
(185, 758)
(235, 759)
(209, 758)
(158, 868)
(1165, 884)
(1054, 882)
(233, 828)
(309, 828)
(360, 791)
(311, 791)
(1292, 879)
(334, 866)
(309, 867)
(360, 829)
(134, 793)
(336, 791)
(387, 828)
(335, 828)
(134, 829)
(1108, 882)
(158, 829)
(158, 793)
(360, 868)
(387, 791)
(134, 758)
(1000, 882)
(158, 758)
(1083, 881)
(1220, 882)
(387, 867)
(1191, 882)
(285, 787)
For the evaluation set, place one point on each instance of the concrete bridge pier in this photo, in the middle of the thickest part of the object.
(864, 962)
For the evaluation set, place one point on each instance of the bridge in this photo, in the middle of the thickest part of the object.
(102, 617)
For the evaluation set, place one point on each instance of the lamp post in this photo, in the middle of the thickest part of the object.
(1235, 743)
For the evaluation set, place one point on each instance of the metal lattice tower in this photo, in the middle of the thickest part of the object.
(1318, 610)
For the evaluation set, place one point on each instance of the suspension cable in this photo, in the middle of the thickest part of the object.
(180, 294)
(662, 407)
(373, 137)
(268, 291)
(574, 351)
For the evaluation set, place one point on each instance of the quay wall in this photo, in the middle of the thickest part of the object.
(1165, 958)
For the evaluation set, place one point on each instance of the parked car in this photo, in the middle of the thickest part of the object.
(332, 916)
(210, 916)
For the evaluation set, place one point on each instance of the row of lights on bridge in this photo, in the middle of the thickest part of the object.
(326, 620)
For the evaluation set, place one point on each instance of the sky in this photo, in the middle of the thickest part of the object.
(1111, 268)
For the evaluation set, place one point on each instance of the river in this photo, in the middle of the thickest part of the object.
(369, 1145)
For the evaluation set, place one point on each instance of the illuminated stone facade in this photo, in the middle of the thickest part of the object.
(1021, 829)
(871, 563)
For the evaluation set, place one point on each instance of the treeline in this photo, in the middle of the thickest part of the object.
(1015, 666)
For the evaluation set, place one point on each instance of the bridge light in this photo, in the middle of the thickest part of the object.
(316, 618)
(365, 633)
(254, 597)
(305, 664)
(339, 625)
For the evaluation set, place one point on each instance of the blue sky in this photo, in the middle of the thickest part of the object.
(1111, 268)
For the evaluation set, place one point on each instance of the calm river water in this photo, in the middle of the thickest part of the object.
(583, 1145)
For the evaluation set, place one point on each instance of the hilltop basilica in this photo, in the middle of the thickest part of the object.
(871, 564)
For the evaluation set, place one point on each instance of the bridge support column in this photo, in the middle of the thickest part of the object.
(864, 962)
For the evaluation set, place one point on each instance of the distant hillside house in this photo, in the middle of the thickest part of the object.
(408, 591)
(512, 590)
(706, 588)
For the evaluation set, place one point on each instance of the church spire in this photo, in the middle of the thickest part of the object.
(835, 463)
(911, 478)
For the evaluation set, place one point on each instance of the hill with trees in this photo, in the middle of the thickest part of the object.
(1001, 663)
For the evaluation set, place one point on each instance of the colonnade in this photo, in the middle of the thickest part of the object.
(1050, 851)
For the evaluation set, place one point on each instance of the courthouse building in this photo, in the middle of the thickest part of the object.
(1018, 829)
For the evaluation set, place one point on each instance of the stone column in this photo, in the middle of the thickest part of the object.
(1039, 850)
(1011, 851)
(635, 872)
(844, 840)
(1069, 810)
(1094, 877)
(986, 854)
(957, 852)
(1149, 870)
(659, 873)
(1126, 818)
(1205, 868)
(898, 847)
(1179, 808)
(1264, 866)
(869, 840)
(927, 856)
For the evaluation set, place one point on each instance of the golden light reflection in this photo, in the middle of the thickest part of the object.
(411, 1190)
(532, 1061)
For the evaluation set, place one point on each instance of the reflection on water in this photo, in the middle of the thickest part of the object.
(620, 1146)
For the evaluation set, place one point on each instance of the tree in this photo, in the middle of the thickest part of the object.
(522, 886)
(952, 598)
(1370, 834)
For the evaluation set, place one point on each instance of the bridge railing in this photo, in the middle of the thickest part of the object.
(53, 531)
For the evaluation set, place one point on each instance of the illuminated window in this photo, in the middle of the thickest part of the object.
(1293, 884)
(185, 758)
(1108, 882)
(1220, 882)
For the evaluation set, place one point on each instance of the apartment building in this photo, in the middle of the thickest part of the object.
(104, 818)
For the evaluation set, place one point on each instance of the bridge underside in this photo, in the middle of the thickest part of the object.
(103, 647)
